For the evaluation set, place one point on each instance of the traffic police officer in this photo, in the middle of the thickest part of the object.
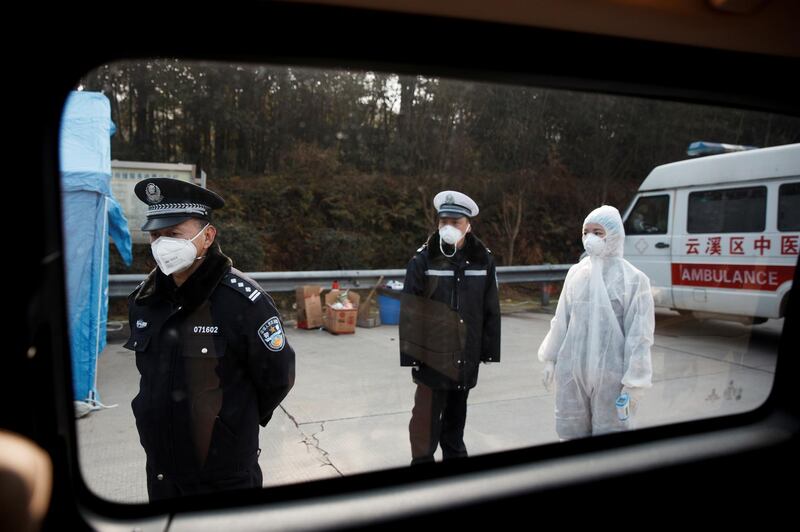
(210, 347)
(449, 324)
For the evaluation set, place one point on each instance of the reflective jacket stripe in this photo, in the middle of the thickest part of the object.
(440, 273)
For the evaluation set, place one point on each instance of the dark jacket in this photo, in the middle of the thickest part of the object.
(450, 314)
(214, 364)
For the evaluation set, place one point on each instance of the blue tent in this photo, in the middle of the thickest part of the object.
(91, 215)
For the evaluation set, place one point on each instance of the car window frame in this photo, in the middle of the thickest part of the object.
(579, 75)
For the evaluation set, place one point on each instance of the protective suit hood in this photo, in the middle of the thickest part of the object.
(609, 218)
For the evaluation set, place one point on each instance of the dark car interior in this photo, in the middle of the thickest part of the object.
(738, 54)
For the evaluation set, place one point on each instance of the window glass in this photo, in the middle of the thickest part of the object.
(399, 247)
(649, 216)
(789, 207)
(733, 210)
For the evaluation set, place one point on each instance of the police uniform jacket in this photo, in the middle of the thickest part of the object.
(214, 364)
(450, 315)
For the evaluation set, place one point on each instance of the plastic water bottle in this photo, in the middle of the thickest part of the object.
(623, 406)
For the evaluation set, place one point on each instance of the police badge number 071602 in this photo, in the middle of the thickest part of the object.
(271, 333)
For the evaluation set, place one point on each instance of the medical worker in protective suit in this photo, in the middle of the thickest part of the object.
(598, 347)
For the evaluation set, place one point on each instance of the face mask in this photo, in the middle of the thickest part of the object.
(594, 245)
(174, 254)
(450, 235)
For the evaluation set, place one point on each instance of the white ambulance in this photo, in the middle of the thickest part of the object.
(718, 236)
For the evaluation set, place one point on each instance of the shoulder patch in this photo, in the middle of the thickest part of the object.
(271, 333)
(245, 287)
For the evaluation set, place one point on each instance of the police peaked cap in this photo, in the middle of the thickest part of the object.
(453, 204)
(172, 201)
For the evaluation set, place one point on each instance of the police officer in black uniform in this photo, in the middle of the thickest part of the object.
(210, 347)
(449, 324)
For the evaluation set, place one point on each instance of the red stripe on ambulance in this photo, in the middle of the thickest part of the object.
(736, 276)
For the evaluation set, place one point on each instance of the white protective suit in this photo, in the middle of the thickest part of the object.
(600, 337)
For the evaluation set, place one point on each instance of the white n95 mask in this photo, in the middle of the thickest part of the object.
(450, 234)
(174, 254)
(594, 245)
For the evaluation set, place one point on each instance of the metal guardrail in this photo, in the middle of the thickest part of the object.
(121, 285)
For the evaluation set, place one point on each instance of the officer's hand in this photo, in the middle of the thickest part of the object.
(548, 374)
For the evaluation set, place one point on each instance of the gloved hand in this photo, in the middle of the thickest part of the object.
(548, 374)
(635, 395)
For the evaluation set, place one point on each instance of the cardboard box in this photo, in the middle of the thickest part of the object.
(309, 307)
(340, 321)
